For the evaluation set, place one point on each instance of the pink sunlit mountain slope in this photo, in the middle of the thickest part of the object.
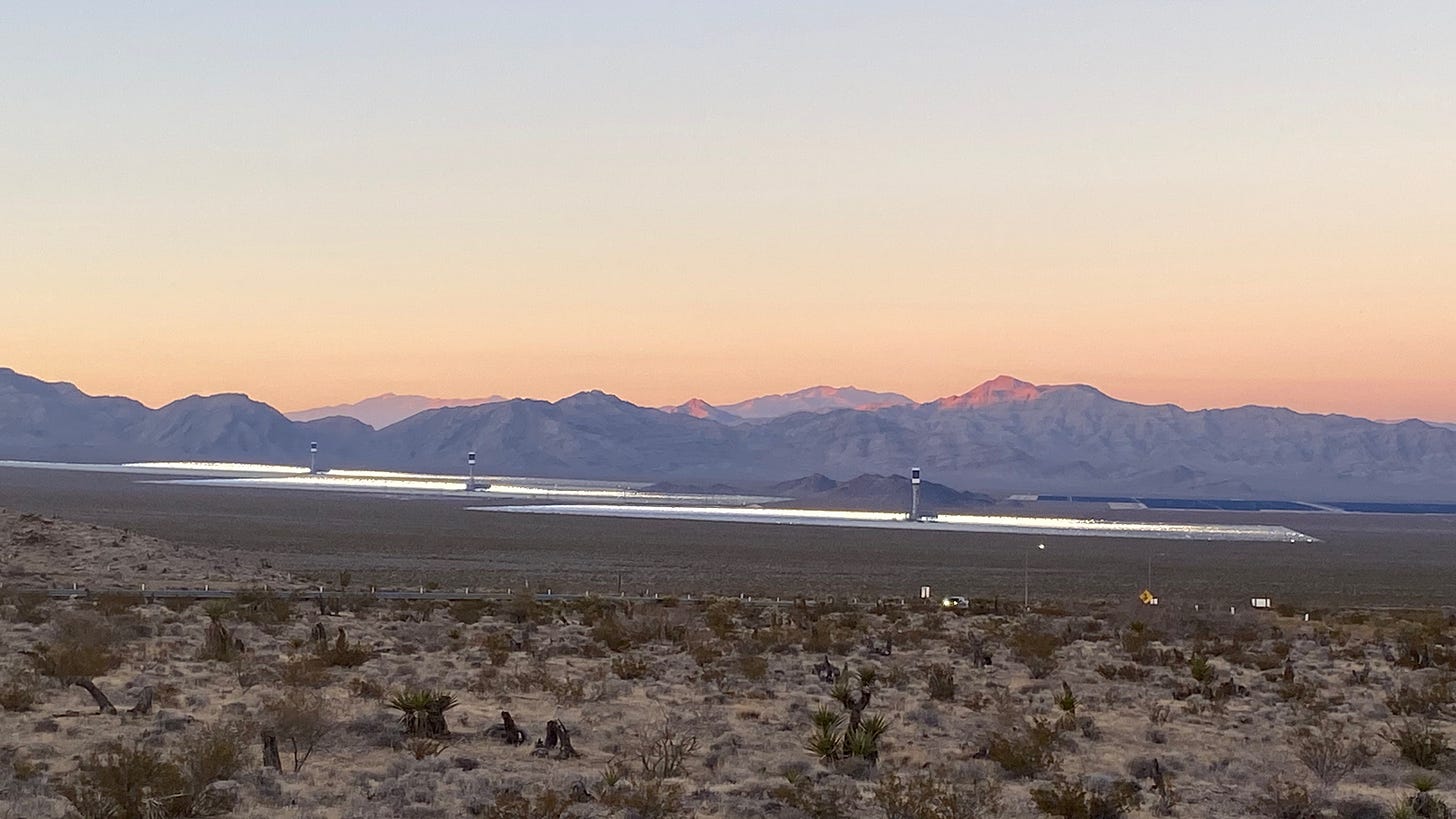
(698, 408)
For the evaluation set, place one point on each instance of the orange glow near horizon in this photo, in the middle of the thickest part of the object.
(1173, 204)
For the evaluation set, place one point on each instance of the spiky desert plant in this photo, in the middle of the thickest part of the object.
(422, 711)
(825, 742)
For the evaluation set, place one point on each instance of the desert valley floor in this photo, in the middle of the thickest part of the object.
(1087, 705)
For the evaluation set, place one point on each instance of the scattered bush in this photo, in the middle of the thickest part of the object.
(121, 782)
(929, 795)
(262, 607)
(1026, 751)
(512, 804)
(1286, 799)
(114, 603)
(218, 642)
(753, 667)
(647, 798)
(19, 692)
(212, 753)
(366, 689)
(343, 654)
(423, 747)
(469, 612)
(826, 798)
(1037, 650)
(1067, 701)
(940, 678)
(303, 672)
(1423, 804)
(1099, 798)
(1432, 700)
(1201, 669)
(1419, 741)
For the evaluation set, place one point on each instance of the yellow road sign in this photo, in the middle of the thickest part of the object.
(1147, 597)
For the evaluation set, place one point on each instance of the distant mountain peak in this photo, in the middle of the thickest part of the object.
(1005, 389)
(816, 399)
(698, 408)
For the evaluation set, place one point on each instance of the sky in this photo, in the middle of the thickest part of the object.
(1211, 204)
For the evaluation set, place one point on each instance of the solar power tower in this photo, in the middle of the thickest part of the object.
(915, 493)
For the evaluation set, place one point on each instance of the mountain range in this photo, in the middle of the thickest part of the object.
(811, 399)
(1002, 436)
(380, 411)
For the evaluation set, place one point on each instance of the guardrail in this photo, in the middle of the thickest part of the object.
(423, 594)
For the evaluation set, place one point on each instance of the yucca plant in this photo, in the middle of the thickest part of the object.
(864, 741)
(826, 720)
(422, 711)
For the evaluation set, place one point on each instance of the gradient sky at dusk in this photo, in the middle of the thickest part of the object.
(1206, 203)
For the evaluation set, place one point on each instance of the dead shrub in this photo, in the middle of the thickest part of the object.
(299, 717)
(1330, 754)
(664, 752)
(934, 795)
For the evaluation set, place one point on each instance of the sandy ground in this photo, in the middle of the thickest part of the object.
(1222, 703)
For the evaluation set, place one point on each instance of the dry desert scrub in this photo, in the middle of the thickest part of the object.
(717, 709)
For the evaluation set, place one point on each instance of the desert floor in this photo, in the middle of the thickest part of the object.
(694, 709)
(1364, 560)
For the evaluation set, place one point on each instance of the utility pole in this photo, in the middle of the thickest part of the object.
(1026, 576)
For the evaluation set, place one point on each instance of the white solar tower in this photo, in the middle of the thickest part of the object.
(470, 480)
(313, 457)
(915, 494)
